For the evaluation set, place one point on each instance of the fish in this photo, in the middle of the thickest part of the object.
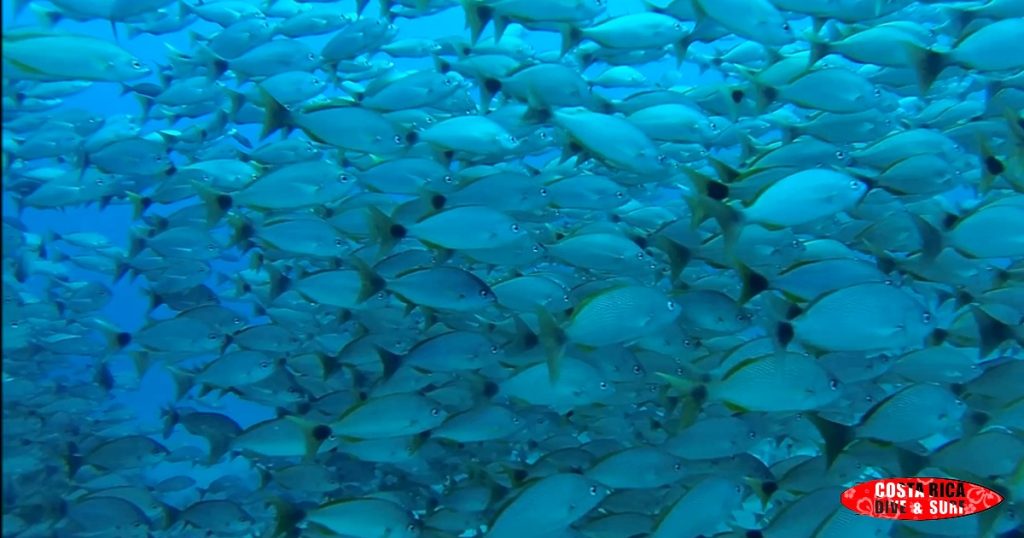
(508, 268)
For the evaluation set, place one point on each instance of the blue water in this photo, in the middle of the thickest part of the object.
(139, 401)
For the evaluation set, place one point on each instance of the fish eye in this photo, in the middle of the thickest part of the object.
(136, 64)
(435, 412)
(338, 242)
(593, 490)
(543, 191)
(620, 195)
(343, 178)
(398, 139)
(264, 364)
(840, 154)
(484, 293)
(515, 420)
(311, 56)
(604, 385)
(878, 92)
(448, 179)
(495, 349)
(670, 305)
(678, 466)
(796, 243)
(833, 384)
(926, 318)
(785, 26)
(752, 435)
(212, 336)
(448, 82)
(640, 256)
(677, 27)
(637, 370)
(514, 227)
(854, 185)
(410, 527)
(513, 139)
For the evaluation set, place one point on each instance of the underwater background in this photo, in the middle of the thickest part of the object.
(633, 269)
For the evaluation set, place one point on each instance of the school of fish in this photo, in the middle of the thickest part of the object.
(517, 278)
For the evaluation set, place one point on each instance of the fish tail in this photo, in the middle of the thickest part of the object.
(911, 462)
(553, 339)
(139, 204)
(278, 281)
(385, 10)
(680, 48)
(500, 24)
(991, 166)
(104, 378)
(219, 445)
(753, 283)
(384, 231)
(47, 17)
(142, 362)
(488, 88)
(536, 114)
(709, 203)
(693, 395)
(217, 203)
(764, 96)
(277, 116)
(241, 232)
(315, 435)
(678, 255)
(782, 311)
(478, 15)
(571, 36)
(73, 458)
(932, 240)
(927, 63)
(762, 488)
(390, 362)
(819, 49)
(817, 23)
(1016, 123)
(116, 339)
(170, 418)
(836, 436)
(992, 333)
(371, 282)
(237, 101)
(288, 517)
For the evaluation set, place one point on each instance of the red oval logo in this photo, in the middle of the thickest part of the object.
(919, 498)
